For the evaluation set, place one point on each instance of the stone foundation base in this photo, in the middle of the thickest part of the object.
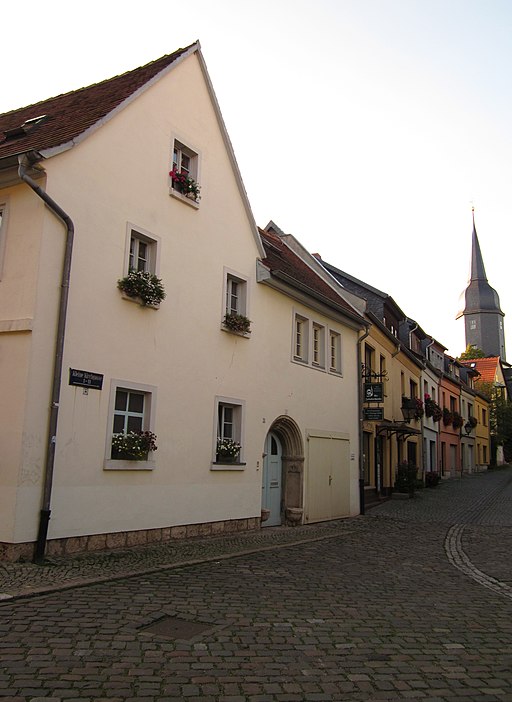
(125, 539)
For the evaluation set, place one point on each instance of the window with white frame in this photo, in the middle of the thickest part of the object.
(185, 171)
(315, 345)
(335, 352)
(142, 250)
(318, 350)
(229, 430)
(131, 414)
(236, 295)
(235, 304)
(301, 339)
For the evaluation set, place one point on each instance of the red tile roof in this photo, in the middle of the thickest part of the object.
(487, 367)
(280, 259)
(70, 114)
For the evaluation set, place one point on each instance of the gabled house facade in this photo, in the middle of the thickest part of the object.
(153, 378)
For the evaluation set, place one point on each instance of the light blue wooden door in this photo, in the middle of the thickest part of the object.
(272, 471)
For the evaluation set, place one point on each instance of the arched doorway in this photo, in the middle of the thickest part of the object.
(283, 473)
(272, 479)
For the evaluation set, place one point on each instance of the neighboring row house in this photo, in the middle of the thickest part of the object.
(420, 406)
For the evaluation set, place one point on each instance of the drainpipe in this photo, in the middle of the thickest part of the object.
(44, 517)
(360, 410)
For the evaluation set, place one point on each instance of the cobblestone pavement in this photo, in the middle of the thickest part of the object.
(408, 602)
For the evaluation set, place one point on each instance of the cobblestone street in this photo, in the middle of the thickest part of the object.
(411, 601)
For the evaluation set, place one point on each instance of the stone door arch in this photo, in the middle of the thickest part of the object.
(289, 434)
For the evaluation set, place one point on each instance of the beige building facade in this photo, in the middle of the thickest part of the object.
(174, 369)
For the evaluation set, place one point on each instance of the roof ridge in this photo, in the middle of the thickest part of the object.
(173, 55)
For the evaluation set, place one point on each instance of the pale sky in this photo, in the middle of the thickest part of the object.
(366, 128)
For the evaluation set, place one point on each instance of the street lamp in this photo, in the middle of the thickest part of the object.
(409, 409)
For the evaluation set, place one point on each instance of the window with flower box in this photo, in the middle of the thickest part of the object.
(235, 304)
(130, 440)
(184, 173)
(229, 432)
(140, 282)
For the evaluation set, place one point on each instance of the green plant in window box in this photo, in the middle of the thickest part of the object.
(185, 184)
(144, 286)
(237, 323)
(227, 450)
(133, 446)
(473, 421)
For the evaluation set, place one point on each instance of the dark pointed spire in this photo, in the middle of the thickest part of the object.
(477, 262)
(480, 307)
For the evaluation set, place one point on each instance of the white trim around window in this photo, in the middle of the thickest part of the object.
(316, 345)
(142, 250)
(186, 160)
(235, 297)
(140, 417)
(229, 423)
(334, 352)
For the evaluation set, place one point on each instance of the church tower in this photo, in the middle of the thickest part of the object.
(483, 318)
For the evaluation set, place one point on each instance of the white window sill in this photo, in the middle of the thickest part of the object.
(227, 466)
(138, 301)
(113, 464)
(245, 335)
(187, 200)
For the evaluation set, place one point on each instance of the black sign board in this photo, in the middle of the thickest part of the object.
(85, 379)
(373, 414)
(373, 392)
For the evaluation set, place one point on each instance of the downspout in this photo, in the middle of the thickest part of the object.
(425, 461)
(360, 410)
(44, 517)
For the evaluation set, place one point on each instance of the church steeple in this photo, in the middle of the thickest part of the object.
(480, 307)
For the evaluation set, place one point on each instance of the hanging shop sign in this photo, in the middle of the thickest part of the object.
(373, 392)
